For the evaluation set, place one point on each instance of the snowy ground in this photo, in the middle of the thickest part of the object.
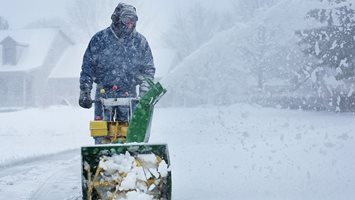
(34, 132)
(234, 152)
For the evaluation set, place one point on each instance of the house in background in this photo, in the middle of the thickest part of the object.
(27, 57)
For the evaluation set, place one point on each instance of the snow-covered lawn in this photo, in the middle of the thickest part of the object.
(232, 152)
(246, 152)
(36, 132)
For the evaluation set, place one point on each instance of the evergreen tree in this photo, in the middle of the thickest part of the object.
(332, 47)
(332, 44)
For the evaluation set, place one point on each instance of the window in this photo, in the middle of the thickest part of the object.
(9, 51)
(9, 55)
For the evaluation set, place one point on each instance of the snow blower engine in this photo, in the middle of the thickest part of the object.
(123, 165)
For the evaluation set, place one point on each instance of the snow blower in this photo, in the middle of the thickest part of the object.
(124, 165)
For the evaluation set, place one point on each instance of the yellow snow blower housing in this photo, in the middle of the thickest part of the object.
(116, 132)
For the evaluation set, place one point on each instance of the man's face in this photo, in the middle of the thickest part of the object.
(129, 22)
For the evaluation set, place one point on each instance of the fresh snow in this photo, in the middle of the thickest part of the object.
(231, 152)
(37, 132)
(133, 172)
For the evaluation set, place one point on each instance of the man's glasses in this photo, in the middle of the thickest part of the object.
(128, 20)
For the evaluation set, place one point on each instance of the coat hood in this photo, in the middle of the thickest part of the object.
(122, 10)
(120, 29)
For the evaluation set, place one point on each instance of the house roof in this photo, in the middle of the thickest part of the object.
(36, 45)
(69, 66)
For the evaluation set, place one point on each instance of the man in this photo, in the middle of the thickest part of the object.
(117, 59)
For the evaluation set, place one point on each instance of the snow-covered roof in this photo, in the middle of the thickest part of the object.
(69, 66)
(38, 42)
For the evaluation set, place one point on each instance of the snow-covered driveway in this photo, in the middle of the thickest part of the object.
(49, 177)
(233, 152)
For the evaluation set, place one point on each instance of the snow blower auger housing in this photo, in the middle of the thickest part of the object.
(124, 165)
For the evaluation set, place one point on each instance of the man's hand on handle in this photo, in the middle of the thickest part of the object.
(85, 100)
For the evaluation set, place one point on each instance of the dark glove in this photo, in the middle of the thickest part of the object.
(85, 100)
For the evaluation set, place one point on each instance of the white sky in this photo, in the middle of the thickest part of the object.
(19, 13)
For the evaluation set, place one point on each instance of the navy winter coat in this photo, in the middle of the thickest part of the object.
(112, 61)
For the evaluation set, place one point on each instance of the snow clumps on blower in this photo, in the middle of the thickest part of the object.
(127, 177)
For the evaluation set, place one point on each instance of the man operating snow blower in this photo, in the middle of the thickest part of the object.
(117, 59)
(124, 165)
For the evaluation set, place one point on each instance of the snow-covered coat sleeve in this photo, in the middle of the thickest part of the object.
(147, 69)
(88, 68)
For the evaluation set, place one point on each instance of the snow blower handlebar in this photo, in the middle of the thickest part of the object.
(155, 92)
(111, 102)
